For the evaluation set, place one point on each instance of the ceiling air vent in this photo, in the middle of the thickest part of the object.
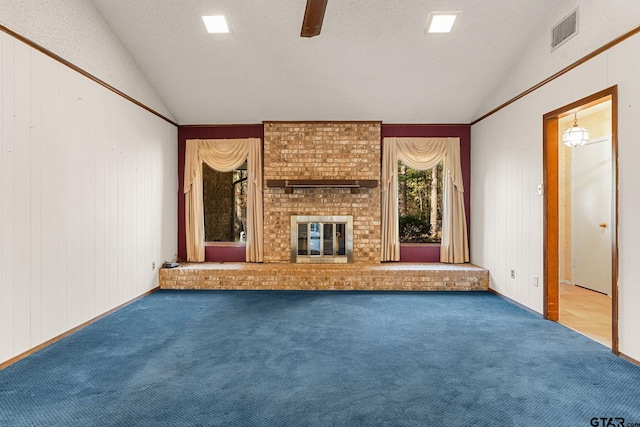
(564, 30)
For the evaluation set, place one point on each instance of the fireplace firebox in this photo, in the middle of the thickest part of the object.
(321, 239)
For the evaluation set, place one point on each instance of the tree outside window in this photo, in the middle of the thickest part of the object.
(420, 204)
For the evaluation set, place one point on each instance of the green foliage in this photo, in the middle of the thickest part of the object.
(414, 229)
(420, 196)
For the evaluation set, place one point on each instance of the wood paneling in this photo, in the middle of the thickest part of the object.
(13, 35)
(560, 73)
(519, 125)
(87, 190)
(506, 207)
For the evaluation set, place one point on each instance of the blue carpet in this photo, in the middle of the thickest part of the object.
(320, 359)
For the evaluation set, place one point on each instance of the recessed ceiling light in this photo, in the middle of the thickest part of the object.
(441, 22)
(216, 24)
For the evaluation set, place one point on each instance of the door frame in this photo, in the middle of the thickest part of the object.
(550, 205)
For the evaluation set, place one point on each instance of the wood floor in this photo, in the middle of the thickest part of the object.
(586, 311)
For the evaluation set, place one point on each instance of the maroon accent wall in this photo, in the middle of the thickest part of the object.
(416, 253)
(212, 253)
(420, 253)
(408, 253)
(225, 253)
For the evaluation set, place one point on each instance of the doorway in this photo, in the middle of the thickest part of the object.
(580, 213)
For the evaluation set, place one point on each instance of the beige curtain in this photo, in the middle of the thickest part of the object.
(422, 154)
(389, 232)
(454, 247)
(223, 155)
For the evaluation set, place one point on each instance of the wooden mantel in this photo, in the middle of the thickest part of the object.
(353, 184)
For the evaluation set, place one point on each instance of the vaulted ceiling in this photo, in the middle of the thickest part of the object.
(372, 60)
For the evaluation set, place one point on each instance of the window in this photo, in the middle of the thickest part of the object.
(420, 204)
(225, 204)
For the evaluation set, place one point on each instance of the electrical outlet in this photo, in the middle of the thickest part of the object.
(513, 273)
(153, 265)
(536, 281)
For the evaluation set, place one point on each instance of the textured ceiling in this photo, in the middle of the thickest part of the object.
(372, 61)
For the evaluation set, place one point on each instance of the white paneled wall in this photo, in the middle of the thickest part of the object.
(87, 198)
(76, 31)
(599, 23)
(507, 211)
(506, 159)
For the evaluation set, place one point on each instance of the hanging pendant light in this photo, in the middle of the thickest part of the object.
(575, 136)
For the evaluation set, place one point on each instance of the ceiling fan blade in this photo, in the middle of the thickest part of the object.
(313, 17)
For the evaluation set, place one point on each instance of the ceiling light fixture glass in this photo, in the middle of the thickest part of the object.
(441, 22)
(216, 24)
(575, 136)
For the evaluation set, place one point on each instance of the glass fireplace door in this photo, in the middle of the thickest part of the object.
(321, 239)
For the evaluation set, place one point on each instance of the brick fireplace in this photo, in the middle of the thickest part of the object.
(322, 151)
